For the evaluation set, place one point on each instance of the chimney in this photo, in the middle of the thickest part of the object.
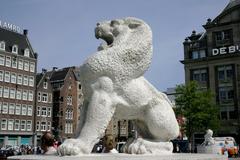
(44, 70)
(25, 32)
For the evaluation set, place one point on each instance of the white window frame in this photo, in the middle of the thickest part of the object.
(7, 76)
(8, 61)
(25, 80)
(26, 65)
(20, 79)
(31, 81)
(44, 97)
(10, 124)
(6, 92)
(49, 111)
(39, 96)
(49, 126)
(44, 111)
(19, 94)
(38, 111)
(2, 60)
(25, 95)
(38, 126)
(13, 78)
(26, 52)
(11, 108)
(18, 109)
(2, 45)
(17, 125)
(29, 110)
(23, 125)
(45, 84)
(43, 126)
(3, 122)
(1, 75)
(29, 125)
(1, 91)
(14, 62)
(32, 67)
(0, 107)
(12, 93)
(20, 64)
(5, 108)
(24, 110)
(15, 49)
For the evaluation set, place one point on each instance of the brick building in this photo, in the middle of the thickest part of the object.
(213, 59)
(17, 87)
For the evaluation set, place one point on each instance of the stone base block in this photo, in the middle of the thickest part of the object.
(123, 157)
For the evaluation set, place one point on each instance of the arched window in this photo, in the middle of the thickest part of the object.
(2, 45)
(14, 49)
(26, 52)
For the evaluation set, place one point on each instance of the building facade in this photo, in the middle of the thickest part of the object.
(66, 109)
(17, 88)
(44, 107)
(212, 59)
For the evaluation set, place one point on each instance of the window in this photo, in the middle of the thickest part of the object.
(24, 109)
(226, 94)
(7, 77)
(39, 96)
(29, 125)
(1, 75)
(44, 97)
(200, 75)
(49, 97)
(38, 111)
(49, 126)
(32, 67)
(11, 108)
(5, 108)
(10, 124)
(44, 111)
(69, 100)
(26, 52)
(43, 126)
(68, 127)
(49, 111)
(3, 124)
(38, 126)
(20, 64)
(225, 73)
(23, 125)
(25, 80)
(14, 62)
(223, 35)
(29, 112)
(14, 49)
(24, 95)
(19, 94)
(13, 77)
(2, 45)
(1, 91)
(19, 79)
(31, 81)
(224, 115)
(45, 84)
(18, 109)
(6, 92)
(2, 60)
(26, 66)
(8, 61)
(17, 125)
(0, 107)
(12, 93)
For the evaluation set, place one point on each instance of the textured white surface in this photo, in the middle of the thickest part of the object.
(112, 82)
(124, 157)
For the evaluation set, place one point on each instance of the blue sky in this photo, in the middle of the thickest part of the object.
(62, 31)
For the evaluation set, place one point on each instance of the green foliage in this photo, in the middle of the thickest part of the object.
(198, 107)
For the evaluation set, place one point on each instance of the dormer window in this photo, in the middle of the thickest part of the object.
(14, 49)
(26, 52)
(2, 45)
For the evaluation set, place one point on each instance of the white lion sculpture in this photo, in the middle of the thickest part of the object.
(113, 83)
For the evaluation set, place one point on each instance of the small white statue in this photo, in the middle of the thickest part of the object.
(112, 82)
(209, 140)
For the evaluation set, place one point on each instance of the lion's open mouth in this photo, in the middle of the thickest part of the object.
(108, 38)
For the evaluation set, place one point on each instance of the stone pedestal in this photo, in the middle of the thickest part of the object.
(123, 157)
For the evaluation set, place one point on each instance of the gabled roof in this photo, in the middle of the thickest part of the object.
(12, 38)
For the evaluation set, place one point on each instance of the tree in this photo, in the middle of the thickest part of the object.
(198, 107)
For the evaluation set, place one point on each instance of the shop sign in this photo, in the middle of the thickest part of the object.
(10, 26)
(225, 50)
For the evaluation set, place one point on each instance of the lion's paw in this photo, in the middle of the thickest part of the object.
(141, 146)
(72, 147)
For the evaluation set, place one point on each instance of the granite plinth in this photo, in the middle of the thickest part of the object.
(123, 157)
